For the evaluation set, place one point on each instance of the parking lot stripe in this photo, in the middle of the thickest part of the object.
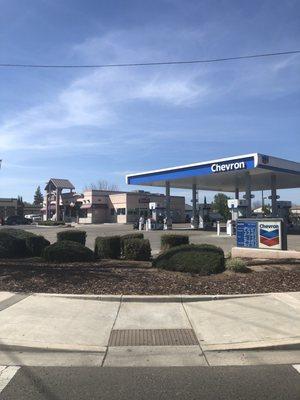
(6, 375)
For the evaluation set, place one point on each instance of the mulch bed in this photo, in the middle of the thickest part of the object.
(121, 277)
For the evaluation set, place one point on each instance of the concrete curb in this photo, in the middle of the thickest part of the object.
(150, 298)
(153, 298)
(95, 297)
(7, 345)
(278, 344)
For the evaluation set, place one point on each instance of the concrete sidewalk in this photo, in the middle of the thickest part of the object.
(45, 329)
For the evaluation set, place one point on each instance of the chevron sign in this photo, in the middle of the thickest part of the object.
(269, 235)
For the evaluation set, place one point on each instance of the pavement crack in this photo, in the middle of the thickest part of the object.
(190, 322)
(113, 325)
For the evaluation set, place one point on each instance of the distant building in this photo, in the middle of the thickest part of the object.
(188, 212)
(58, 204)
(8, 207)
(295, 214)
(100, 206)
(103, 206)
(31, 209)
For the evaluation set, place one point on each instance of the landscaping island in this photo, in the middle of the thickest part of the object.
(123, 265)
(129, 277)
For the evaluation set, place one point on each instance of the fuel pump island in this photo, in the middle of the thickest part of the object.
(241, 174)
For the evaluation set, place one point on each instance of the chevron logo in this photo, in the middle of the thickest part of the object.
(269, 235)
(269, 242)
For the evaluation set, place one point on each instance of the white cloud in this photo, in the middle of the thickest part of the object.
(95, 100)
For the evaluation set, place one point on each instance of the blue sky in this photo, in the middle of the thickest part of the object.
(87, 125)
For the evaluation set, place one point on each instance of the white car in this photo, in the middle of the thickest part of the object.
(34, 217)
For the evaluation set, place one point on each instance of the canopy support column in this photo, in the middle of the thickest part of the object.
(195, 220)
(237, 193)
(274, 196)
(248, 195)
(168, 221)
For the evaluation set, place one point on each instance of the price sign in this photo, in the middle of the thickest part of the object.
(246, 234)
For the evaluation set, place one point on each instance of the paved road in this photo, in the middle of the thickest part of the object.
(232, 383)
(224, 241)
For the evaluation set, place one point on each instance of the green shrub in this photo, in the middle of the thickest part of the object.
(108, 247)
(169, 240)
(3, 252)
(130, 236)
(137, 249)
(15, 247)
(51, 223)
(67, 251)
(211, 247)
(73, 235)
(36, 245)
(201, 259)
(18, 233)
(237, 265)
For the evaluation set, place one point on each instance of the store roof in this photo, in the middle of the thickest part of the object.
(60, 184)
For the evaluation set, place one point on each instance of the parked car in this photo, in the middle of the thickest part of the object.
(17, 220)
(34, 217)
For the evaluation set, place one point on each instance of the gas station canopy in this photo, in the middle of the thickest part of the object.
(225, 174)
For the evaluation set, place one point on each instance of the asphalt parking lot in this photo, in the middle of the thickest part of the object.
(224, 241)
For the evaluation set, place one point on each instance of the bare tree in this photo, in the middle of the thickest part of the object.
(102, 185)
(256, 204)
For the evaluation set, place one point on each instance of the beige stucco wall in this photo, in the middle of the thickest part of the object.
(133, 203)
(140, 201)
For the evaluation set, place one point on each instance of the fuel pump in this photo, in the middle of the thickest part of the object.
(283, 210)
(238, 208)
(195, 222)
(204, 219)
(158, 213)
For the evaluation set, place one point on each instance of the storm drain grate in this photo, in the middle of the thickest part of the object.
(153, 337)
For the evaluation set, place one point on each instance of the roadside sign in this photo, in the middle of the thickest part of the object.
(246, 234)
(261, 234)
(269, 234)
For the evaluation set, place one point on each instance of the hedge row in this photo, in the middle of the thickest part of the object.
(203, 259)
(70, 245)
(131, 247)
(21, 243)
(170, 240)
(72, 235)
(108, 247)
(137, 249)
(68, 251)
(14, 246)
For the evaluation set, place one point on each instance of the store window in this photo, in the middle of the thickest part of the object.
(144, 213)
(132, 211)
(83, 213)
(121, 211)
